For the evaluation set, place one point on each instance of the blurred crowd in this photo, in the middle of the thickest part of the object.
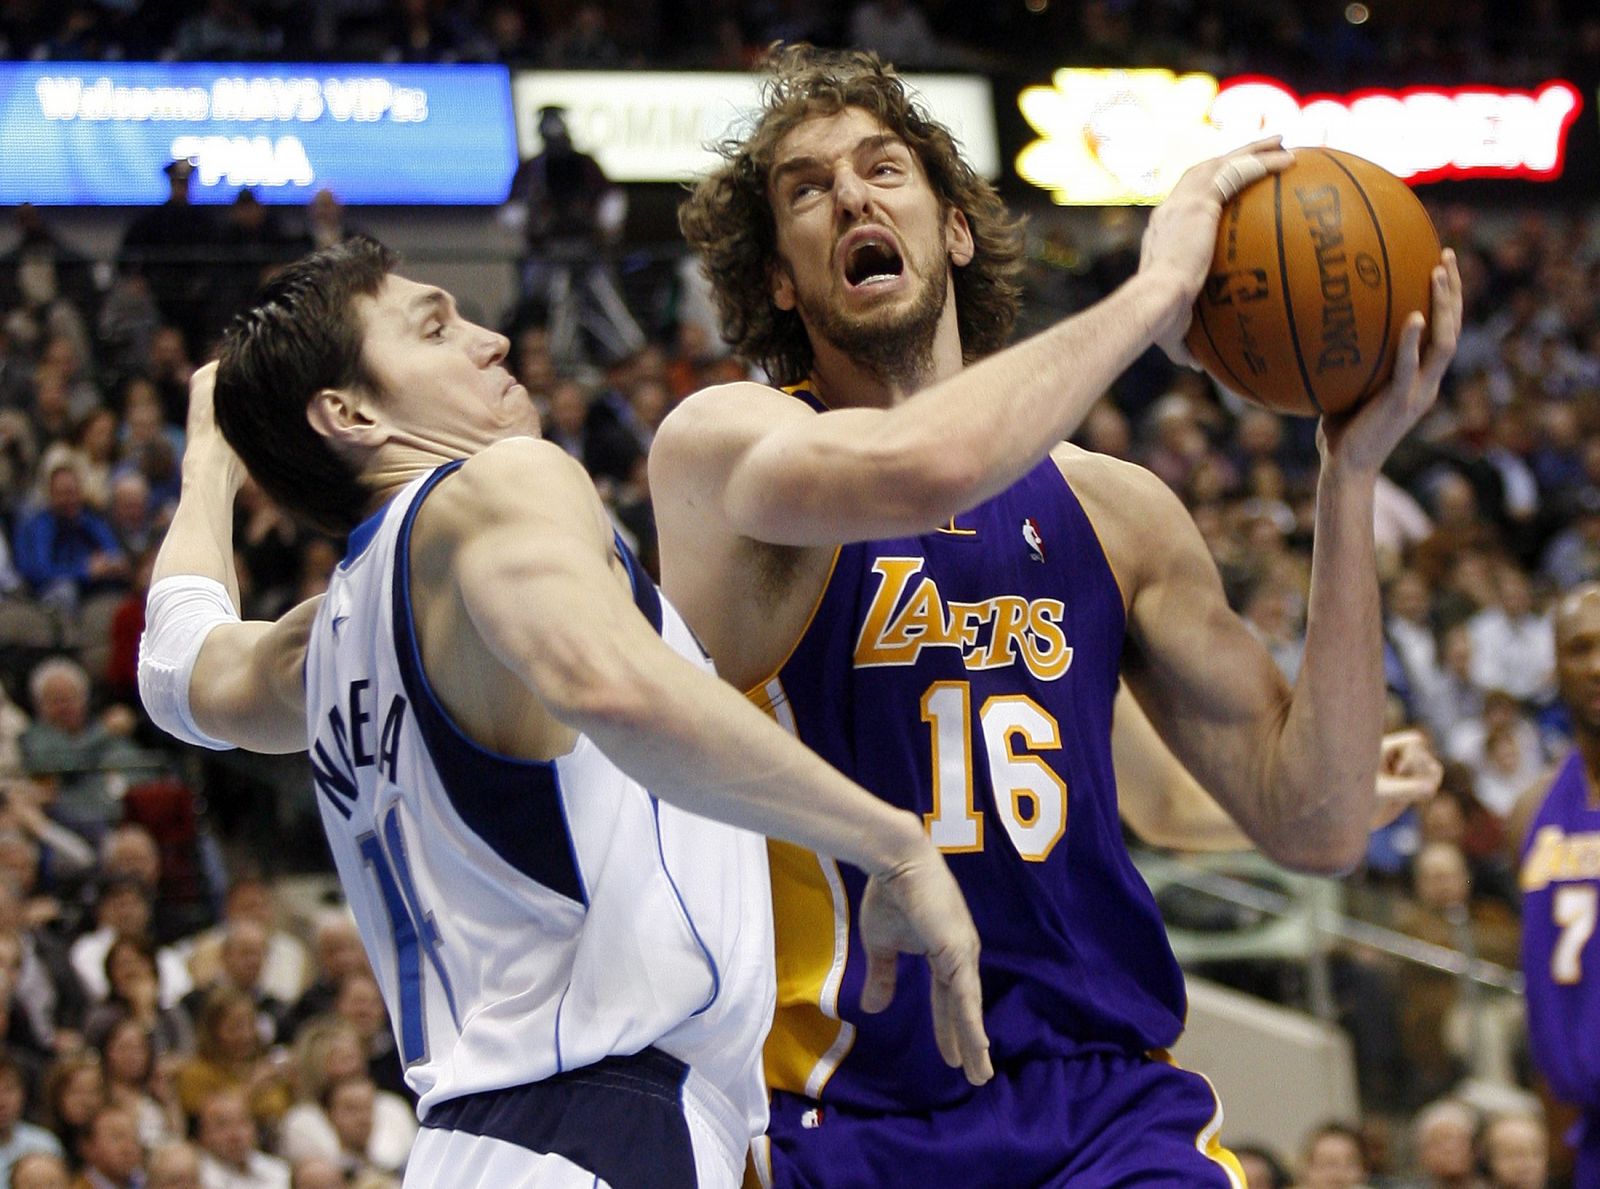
(1317, 42)
(164, 1009)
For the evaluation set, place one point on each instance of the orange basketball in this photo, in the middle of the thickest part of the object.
(1315, 271)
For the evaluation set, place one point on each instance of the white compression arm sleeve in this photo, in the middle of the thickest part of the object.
(180, 612)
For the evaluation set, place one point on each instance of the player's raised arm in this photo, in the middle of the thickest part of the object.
(1295, 767)
(205, 675)
(1164, 805)
(535, 571)
(776, 471)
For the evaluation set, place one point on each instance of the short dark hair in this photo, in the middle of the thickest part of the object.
(727, 218)
(300, 336)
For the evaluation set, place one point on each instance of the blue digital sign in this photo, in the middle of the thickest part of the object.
(99, 133)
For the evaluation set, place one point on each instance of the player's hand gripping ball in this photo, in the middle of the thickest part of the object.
(1315, 271)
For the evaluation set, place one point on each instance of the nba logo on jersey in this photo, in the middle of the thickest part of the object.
(812, 1119)
(1034, 539)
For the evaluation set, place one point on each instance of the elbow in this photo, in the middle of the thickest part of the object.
(591, 686)
(1335, 852)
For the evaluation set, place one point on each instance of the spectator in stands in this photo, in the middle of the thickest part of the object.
(122, 913)
(130, 514)
(1444, 1132)
(169, 366)
(571, 217)
(584, 44)
(1454, 699)
(1573, 552)
(325, 221)
(229, 1054)
(318, 1172)
(898, 31)
(329, 1052)
(1262, 1170)
(94, 439)
(78, 754)
(1469, 744)
(1511, 762)
(1444, 912)
(73, 1092)
(419, 31)
(22, 1033)
(284, 964)
(65, 550)
(133, 992)
(63, 855)
(1516, 1152)
(17, 1136)
(360, 1005)
(111, 1153)
(63, 358)
(591, 435)
(515, 32)
(254, 245)
(47, 281)
(241, 961)
(40, 1170)
(1334, 1158)
(174, 1165)
(1408, 627)
(226, 31)
(337, 945)
(169, 247)
(349, 1105)
(1513, 644)
(128, 1061)
(231, 1157)
(46, 1001)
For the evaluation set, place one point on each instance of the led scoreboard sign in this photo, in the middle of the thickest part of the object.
(99, 133)
(1111, 137)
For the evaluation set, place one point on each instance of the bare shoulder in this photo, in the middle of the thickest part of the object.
(1128, 505)
(721, 418)
(520, 481)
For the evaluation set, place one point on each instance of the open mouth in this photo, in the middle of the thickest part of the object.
(872, 261)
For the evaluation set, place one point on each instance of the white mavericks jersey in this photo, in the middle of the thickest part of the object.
(523, 918)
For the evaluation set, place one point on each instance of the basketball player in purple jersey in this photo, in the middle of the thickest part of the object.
(1556, 830)
(900, 561)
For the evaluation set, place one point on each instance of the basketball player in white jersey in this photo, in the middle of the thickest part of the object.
(579, 973)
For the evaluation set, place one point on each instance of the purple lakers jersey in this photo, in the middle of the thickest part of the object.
(1560, 880)
(968, 675)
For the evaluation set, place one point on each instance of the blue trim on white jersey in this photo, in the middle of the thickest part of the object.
(361, 536)
(645, 595)
(688, 918)
(514, 805)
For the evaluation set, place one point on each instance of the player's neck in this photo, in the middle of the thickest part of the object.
(397, 464)
(845, 382)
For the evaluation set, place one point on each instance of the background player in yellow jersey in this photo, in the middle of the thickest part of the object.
(903, 564)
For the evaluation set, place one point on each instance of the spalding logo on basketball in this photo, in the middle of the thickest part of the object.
(1315, 271)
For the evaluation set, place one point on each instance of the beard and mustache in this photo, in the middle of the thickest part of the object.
(894, 345)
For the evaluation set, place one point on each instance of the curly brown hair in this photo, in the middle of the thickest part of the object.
(728, 220)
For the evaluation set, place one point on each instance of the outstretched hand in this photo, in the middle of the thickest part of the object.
(1362, 438)
(202, 436)
(1182, 235)
(917, 908)
(1408, 774)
